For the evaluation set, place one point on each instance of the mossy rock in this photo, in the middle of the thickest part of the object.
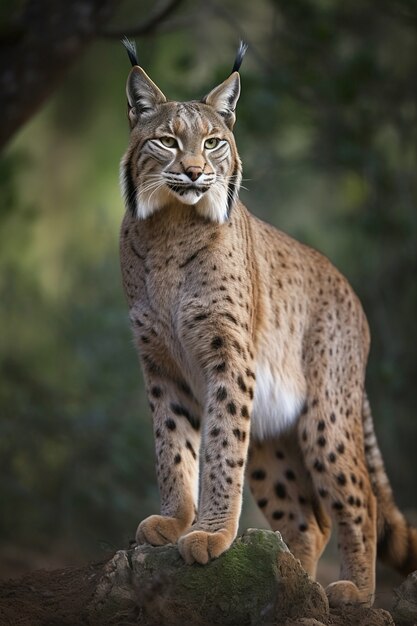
(405, 603)
(257, 581)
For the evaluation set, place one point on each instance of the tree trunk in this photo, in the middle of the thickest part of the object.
(38, 45)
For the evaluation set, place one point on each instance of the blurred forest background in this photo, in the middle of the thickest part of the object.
(326, 127)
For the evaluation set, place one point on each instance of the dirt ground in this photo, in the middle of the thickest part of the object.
(48, 598)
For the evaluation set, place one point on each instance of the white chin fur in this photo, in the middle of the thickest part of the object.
(212, 205)
(190, 197)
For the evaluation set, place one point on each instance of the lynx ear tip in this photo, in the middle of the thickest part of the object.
(241, 51)
(130, 47)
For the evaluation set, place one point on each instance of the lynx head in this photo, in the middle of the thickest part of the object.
(181, 152)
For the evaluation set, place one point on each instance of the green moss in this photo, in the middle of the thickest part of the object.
(248, 570)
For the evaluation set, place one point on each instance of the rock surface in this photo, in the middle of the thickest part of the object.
(257, 581)
(405, 604)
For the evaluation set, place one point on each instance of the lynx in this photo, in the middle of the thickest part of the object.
(253, 348)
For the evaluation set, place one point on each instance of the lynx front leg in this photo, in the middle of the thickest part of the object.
(177, 444)
(225, 437)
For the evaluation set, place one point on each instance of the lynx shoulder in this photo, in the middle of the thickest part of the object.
(253, 348)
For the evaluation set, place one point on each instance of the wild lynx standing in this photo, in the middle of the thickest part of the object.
(253, 348)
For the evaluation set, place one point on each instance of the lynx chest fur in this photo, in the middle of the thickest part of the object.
(187, 278)
(253, 348)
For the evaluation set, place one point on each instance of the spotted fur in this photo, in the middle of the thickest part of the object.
(253, 348)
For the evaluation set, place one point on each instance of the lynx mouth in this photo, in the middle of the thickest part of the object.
(188, 193)
(183, 189)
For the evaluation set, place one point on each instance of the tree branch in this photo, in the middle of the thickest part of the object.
(36, 51)
(146, 27)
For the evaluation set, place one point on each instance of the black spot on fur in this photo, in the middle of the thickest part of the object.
(177, 459)
(170, 424)
(177, 409)
(258, 474)
(231, 408)
(239, 434)
(156, 392)
(289, 474)
(278, 514)
(341, 479)
(189, 447)
(318, 466)
(221, 393)
(280, 490)
(216, 342)
(262, 503)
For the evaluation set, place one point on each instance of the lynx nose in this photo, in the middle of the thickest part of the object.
(194, 172)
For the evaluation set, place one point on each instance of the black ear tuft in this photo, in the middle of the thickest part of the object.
(241, 51)
(131, 50)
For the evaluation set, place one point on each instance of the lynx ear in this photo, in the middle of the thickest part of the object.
(224, 98)
(143, 96)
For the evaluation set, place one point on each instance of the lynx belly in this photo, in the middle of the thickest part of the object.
(277, 404)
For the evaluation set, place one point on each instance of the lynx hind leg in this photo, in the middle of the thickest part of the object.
(284, 492)
(331, 437)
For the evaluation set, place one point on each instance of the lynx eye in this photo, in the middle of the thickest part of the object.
(211, 143)
(168, 142)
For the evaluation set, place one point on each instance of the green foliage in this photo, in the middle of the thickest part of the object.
(327, 132)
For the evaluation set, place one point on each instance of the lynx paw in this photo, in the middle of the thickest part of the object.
(200, 546)
(345, 592)
(158, 530)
